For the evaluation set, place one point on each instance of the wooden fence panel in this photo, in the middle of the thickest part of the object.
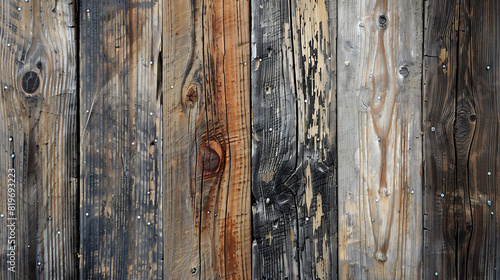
(206, 129)
(121, 226)
(39, 140)
(462, 149)
(380, 180)
(294, 139)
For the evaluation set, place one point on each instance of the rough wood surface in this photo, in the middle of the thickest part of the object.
(206, 134)
(380, 184)
(462, 149)
(120, 214)
(38, 109)
(293, 139)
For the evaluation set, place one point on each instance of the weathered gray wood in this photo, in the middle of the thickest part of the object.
(206, 130)
(380, 185)
(121, 226)
(294, 134)
(38, 109)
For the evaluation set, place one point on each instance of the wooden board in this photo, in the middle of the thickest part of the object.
(120, 210)
(380, 182)
(39, 163)
(293, 139)
(206, 134)
(462, 149)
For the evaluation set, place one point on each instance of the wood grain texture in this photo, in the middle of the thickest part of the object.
(38, 108)
(379, 96)
(462, 151)
(121, 223)
(206, 131)
(293, 139)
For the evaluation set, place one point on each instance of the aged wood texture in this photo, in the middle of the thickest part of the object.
(206, 139)
(121, 225)
(380, 192)
(461, 86)
(38, 103)
(293, 139)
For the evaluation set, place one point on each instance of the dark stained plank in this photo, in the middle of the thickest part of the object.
(462, 149)
(38, 109)
(380, 177)
(121, 226)
(440, 89)
(206, 134)
(293, 139)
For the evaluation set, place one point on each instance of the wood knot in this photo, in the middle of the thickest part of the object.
(191, 96)
(385, 192)
(211, 157)
(382, 21)
(30, 82)
(403, 71)
(381, 257)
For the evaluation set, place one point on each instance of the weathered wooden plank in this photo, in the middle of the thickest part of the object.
(121, 228)
(462, 149)
(439, 89)
(380, 191)
(293, 139)
(38, 140)
(207, 139)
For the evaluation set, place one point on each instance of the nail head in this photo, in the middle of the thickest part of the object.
(442, 195)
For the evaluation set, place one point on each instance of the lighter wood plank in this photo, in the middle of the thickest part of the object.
(41, 117)
(207, 128)
(380, 185)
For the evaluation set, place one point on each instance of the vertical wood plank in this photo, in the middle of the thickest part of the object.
(380, 191)
(121, 227)
(294, 139)
(39, 163)
(207, 146)
(461, 80)
(439, 89)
